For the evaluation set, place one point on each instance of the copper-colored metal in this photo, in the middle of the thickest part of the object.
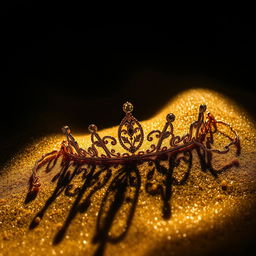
(131, 137)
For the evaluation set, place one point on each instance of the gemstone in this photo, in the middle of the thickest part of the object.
(127, 107)
(170, 117)
(92, 128)
(130, 131)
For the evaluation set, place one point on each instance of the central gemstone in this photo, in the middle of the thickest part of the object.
(130, 131)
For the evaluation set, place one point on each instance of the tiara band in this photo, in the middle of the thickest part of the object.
(131, 137)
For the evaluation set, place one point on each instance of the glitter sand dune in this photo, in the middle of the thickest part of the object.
(208, 213)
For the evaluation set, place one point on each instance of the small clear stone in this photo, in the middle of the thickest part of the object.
(127, 107)
(170, 117)
(92, 128)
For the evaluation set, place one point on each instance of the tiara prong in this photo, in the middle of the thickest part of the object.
(130, 132)
(72, 143)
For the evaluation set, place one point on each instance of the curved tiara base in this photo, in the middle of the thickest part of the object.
(130, 137)
(133, 158)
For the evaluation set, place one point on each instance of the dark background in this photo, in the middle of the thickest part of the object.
(60, 70)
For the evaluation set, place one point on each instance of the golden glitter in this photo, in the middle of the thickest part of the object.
(204, 212)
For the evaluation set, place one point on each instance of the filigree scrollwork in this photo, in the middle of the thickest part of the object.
(131, 136)
(97, 141)
(161, 135)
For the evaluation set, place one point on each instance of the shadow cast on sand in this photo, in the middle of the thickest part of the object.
(123, 185)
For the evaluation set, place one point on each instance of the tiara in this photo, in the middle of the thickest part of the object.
(163, 143)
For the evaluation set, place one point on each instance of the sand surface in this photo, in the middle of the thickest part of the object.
(208, 214)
